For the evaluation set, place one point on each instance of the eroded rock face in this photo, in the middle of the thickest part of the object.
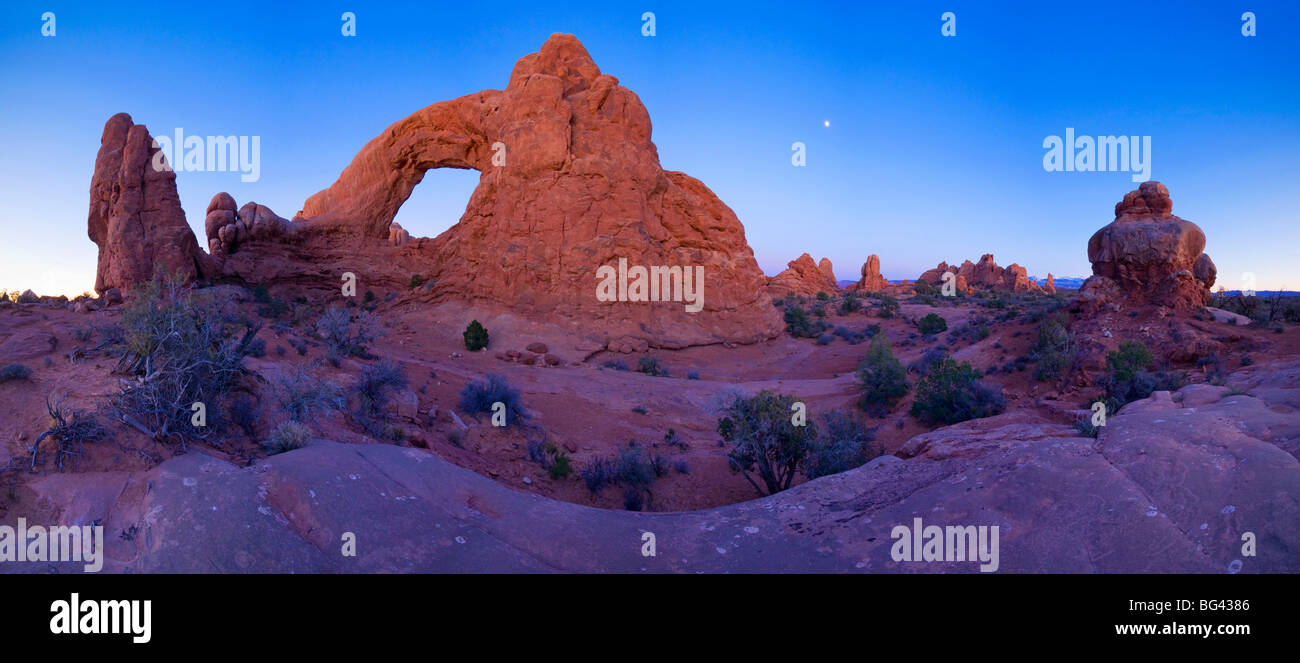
(1148, 256)
(872, 280)
(135, 215)
(227, 228)
(1050, 286)
(570, 182)
(803, 277)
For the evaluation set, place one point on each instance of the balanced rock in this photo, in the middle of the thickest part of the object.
(135, 215)
(803, 277)
(1148, 256)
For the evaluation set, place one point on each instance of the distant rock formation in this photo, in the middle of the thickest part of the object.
(871, 280)
(985, 274)
(1050, 286)
(135, 215)
(804, 277)
(1148, 256)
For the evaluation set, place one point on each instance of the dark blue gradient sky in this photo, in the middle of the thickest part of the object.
(934, 149)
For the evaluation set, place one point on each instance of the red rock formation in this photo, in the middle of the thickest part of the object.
(1148, 256)
(135, 215)
(571, 182)
(1050, 287)
(871, 280)
(984, 274)
(803, 277)
(825, 266)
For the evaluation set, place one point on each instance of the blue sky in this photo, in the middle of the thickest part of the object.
(934, 149)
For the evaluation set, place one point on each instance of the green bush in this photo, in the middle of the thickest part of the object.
(1053, 350)
(850, 303)
(951, 392)
(881, 376)
(800, 325)
(416, 280)
(476, 336)
(764, 441)
(886, 306)
(932, 324)
(842, 445)
(1129, 379)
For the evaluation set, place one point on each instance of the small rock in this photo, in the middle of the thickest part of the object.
(528, 481)
(537, 348)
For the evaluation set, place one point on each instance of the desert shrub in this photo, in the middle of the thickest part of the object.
(616, 364)
(631, 468)
(372, 388)
(1246, 360)
(850, 303)
(287, 436)
(843, 444)
(416, 280)
(881, 376)
(347, 334)
(977, 329)
(692, 374)
(1215, 373)
(71, 428)
(1085, 427)
(852, 337)
(651, 366)
(181, 347)
(951, 392)
(764, 442)
(925, 288)
(822, 296)
(886, 306)
(299, 393)
(15, 372)
(928, 359)
(561, 465)
(681, 466)
(800, 325)
(476, 336)
(1053, 350)
(479, 395)
(825, 339)
(1129, 378)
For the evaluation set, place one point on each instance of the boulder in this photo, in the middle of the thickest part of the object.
(1148, 256)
